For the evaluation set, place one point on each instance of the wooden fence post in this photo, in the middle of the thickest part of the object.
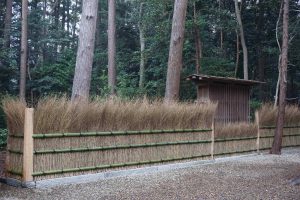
(28, 146)
(212, 139)
(258, 130)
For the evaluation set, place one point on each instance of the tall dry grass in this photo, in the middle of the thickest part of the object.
(55, 114)
(232, 130)
(268, 114)
(14, 111)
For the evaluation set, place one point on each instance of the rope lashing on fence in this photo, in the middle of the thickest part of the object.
(272, 136)
(108, 133)
(273, 127)
(112, 133)
(84, 149)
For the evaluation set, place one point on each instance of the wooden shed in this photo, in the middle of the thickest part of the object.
(232, 96)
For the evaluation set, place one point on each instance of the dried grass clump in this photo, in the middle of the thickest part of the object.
(232, 130)
(14, 111)
(268, 114)
(55, 114)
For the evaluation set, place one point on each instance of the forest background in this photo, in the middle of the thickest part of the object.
(211, 26)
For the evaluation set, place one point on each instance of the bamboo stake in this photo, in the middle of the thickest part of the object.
(258, 130)
(212, 138)
(28, 146)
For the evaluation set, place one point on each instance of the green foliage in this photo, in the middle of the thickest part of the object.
(218, 67)
(3, 138)
(54, 78)
(254, 106)
(52, 39)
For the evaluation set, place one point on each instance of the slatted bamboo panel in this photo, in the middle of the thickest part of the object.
(291, 137)
(14, 157)
(115, 151)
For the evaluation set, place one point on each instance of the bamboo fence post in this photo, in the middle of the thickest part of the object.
(212, 138)
(258, 130)
(28, 146)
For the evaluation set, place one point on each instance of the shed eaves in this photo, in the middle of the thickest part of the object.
(201, 78)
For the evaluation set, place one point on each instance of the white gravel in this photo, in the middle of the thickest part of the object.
(251, 177)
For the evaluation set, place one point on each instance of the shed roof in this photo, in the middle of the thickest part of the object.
(201, 78)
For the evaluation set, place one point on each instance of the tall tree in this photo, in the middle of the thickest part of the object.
(23, 60)
(198, 42)
(237, 59)
(276, 147)
(7, 23)
(112, 46)
(221, 29)
(280, 54)
(85, 52)
(175, 51)
(142, 46)
(242, 36)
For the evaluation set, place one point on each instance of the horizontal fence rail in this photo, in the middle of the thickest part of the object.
(273, 127)
(113, 133)
(84, 149)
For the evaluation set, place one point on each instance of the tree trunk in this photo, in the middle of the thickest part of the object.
(279, 57)
(276, 147)
(68, 16)
(112, 46)
(98, 32)
(63, 23)
(221, 29)
(237, 62)
(260, 53)
(74, 20)
(56, 21)
(98, 37)
(142, 45)
(43, 34)
(243, 42)
(261, 73)
(7, 24)
(175, 52)
(23, 59)
(85, 52)
(198, 43)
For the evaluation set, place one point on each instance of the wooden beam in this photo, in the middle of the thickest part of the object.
(28, 146)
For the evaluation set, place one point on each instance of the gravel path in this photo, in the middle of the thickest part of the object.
(254, 177)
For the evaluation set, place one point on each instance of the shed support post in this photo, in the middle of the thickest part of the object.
(212, 138)
(258, 131)
(28, 146)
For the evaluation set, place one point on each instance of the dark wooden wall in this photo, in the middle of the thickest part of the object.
(233, 101)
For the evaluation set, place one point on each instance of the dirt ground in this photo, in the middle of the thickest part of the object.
(252, 177)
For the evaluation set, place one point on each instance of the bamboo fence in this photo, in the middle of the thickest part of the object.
(34, 157)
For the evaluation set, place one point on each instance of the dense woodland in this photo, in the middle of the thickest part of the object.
(213, 44)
